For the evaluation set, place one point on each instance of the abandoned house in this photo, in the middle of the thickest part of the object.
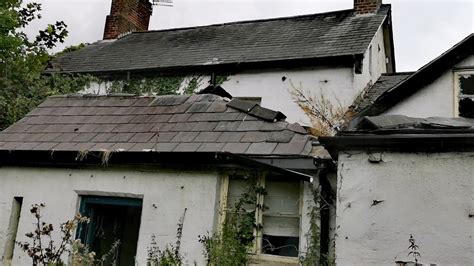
(444, 87)
(143, 161)
(400, 176)
(336, 54)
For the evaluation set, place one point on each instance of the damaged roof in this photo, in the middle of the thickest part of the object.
(392, 89)
(307, 37)
(172, 123)
(406, 134)
(383, 84)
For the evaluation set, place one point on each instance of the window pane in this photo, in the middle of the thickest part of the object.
(237, 189)
(283, 198)
(466, 84)
(281, 220)
(466, 107)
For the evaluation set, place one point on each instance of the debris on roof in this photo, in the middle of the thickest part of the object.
(389, 122)
(256, 110)
(340, 33)
(172, 123)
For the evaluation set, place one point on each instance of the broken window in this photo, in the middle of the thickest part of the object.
(281, 221)
(279, 218)
(113, 228)
(465, 86)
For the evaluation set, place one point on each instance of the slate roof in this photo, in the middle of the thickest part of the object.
(383, 84)
(197, 123)
(323, 35)
(418, 79)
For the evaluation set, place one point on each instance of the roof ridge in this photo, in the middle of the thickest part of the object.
(242, 22)
(398, 73)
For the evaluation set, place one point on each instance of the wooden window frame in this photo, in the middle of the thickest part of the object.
(255, 253)
(457, 89)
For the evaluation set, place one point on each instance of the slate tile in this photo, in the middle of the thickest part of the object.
(179, 118)
(261, 148)
(166, 136)
(297, 128)
(207, 136)
(199, 107)
(27, 146)
(280, 136)
(45, 146)
(159, 118)
(254, 136)
(169, 100)
(48, 137)
(103, 146)
(211, 147)
(66, 137)
(187, 147)
(65, 146)
(185, 137)
(141, 119)
(230, 137)
(102, 137)
(217, 107)
(246, 117)
(37, 128)
(123, 146)
(11, 145)
(185, 126)
(17, 128)
(213, 117)
(142, 137)
(84, 146)
(295, 146)
(236, 147)
(227, 126)
(276, 126)
(143, 146)
(163, 127)
(84, 137)
(165, 146)
(121, 137)
(250, 126)
(176, 109)
(203, 126)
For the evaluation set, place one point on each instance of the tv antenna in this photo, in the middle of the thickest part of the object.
(162, 3)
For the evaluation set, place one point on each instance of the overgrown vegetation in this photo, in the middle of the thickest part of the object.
(41, 247)
(171, 255)
(232, 243)
(22, 85)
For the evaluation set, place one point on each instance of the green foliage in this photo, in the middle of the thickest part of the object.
(22, 85)
(231, 244)
(312, 255)
(171, 255)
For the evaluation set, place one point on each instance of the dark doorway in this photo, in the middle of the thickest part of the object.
(113, 228)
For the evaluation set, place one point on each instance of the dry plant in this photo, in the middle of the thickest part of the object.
(326, 117)
(42, 249)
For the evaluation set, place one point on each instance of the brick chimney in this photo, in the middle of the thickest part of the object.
(126, 16)
(367, 6)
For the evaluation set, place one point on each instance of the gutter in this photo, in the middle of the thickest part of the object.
(174, 160)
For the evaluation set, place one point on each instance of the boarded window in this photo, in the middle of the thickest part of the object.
(466, 94)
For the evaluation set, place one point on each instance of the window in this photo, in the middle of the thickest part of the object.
(112, 220)
(464, 84)
(278, 222)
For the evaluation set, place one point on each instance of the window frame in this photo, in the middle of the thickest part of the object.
(457, 88)
(255, 252)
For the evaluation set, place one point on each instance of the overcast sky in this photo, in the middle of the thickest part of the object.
(423, 29)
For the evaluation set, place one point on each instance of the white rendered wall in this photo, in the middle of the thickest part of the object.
(435, 99)
(428, 195)
(165, 196)
(170, 192)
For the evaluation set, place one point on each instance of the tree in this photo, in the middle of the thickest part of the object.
(22, 84)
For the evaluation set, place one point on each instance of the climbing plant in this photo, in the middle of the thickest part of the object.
(231, 244)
